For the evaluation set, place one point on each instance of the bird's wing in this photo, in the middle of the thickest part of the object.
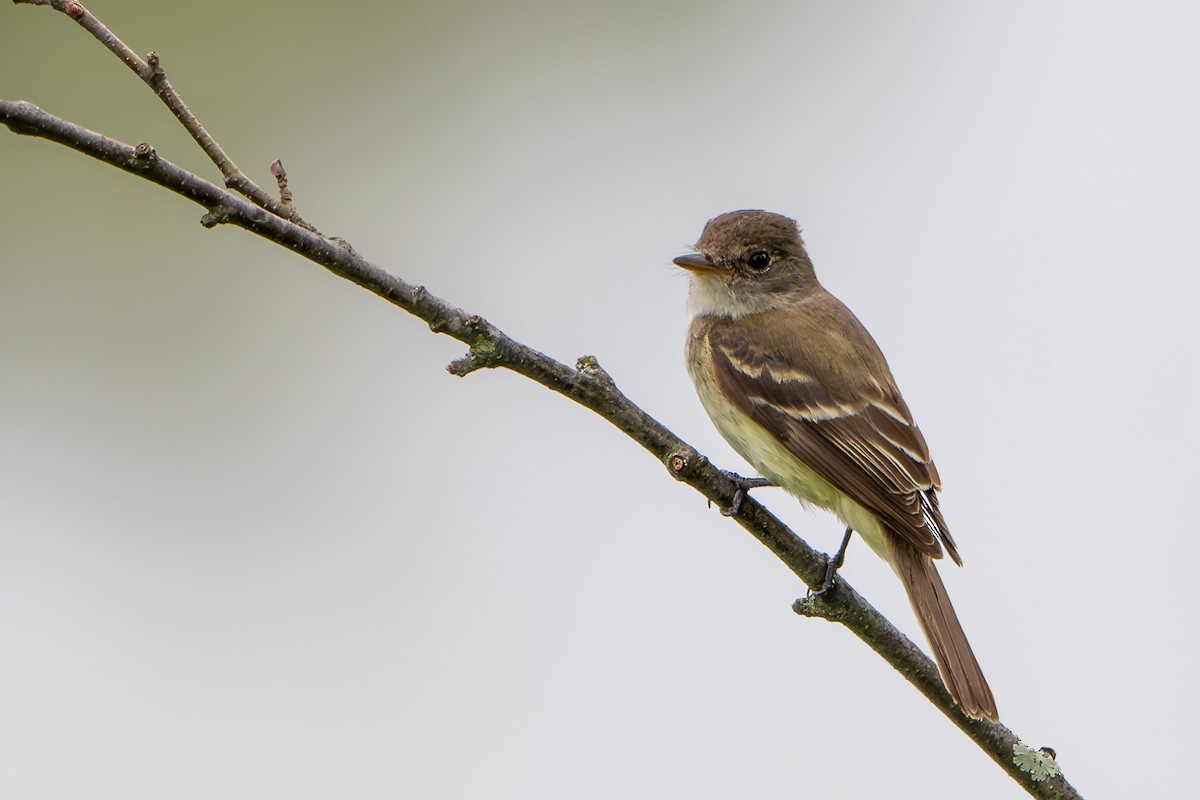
(854, 431)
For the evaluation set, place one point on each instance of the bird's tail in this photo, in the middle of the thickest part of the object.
(956, 663)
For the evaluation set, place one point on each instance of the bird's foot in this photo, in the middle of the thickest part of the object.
(831, 568)
(744, 485)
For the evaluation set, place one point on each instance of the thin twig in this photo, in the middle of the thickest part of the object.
(152, 74)
(285, 193)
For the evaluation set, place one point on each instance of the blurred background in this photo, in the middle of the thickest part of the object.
(255, 542)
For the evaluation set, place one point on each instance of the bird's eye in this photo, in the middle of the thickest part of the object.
(759, 260)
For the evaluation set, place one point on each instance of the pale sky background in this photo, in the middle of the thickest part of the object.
(256, 543)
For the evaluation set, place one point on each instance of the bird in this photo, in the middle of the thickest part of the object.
(799, 388)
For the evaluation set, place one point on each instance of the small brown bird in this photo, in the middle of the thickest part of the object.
(797, 386)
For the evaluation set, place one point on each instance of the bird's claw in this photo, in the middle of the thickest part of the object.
(831, 569)
(744, 485)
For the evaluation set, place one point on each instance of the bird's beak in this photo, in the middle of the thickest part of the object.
(698, 262)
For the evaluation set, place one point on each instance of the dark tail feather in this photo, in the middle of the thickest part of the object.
(956, 663)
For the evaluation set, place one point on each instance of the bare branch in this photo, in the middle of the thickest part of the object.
(588, 384)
